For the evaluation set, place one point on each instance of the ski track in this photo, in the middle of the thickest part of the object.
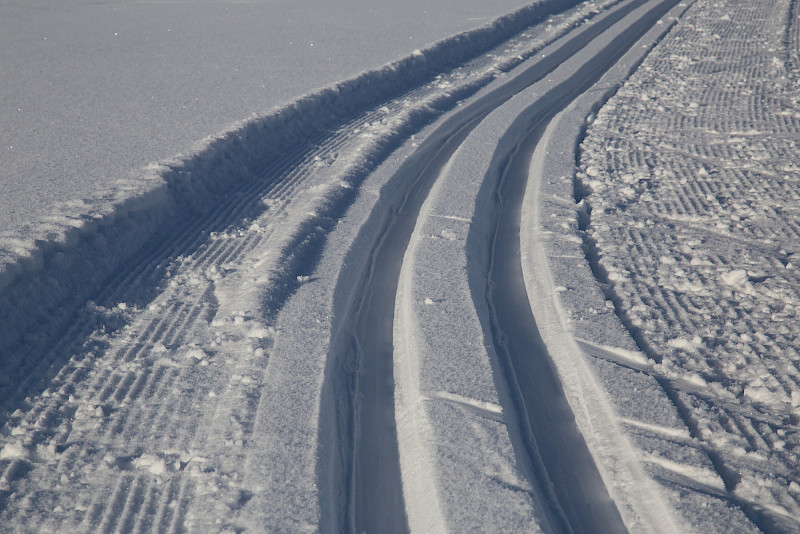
(383, 269)
(145, 401)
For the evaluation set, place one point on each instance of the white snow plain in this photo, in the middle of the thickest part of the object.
(189, 359)
(94, 92)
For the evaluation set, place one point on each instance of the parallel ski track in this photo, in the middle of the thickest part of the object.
(276, 181)
(561, 463)
(374, 486)
(557, 452)
(148, 407)
(377, 499)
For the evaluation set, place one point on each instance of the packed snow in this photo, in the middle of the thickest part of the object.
(266, 267)
(93, 92)
(689, 174)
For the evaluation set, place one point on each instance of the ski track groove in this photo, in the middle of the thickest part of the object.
(188, 238)
(375, 503)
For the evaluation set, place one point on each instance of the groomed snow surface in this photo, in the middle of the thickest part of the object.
(537, 276)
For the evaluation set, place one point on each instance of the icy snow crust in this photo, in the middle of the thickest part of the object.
(215, 379)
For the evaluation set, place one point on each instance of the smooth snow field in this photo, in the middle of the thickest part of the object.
(94, 92)
(400, 267)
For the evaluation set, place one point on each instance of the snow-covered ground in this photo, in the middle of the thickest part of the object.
(535, 277)
(94, 92)
(690, 174)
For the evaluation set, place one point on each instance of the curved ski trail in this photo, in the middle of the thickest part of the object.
(275, 361)
(546, 453)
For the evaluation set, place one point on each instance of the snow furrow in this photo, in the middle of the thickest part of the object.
(554, 453)
(642, 504)
(335, 318)
(364, 351)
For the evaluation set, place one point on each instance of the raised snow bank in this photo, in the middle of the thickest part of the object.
(57, 263)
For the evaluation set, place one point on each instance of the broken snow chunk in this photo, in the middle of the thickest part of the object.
(735, 278)
(615, 276)
(194, 352)
(688, 345)
(762, 394)
(592, 171)
(13, 451)
(259, 332)
(596, 185)
(151, 463)
(694, 378)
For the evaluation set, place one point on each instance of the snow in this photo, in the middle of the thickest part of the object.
(95, 93)
(716, 204)
(183, 306)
